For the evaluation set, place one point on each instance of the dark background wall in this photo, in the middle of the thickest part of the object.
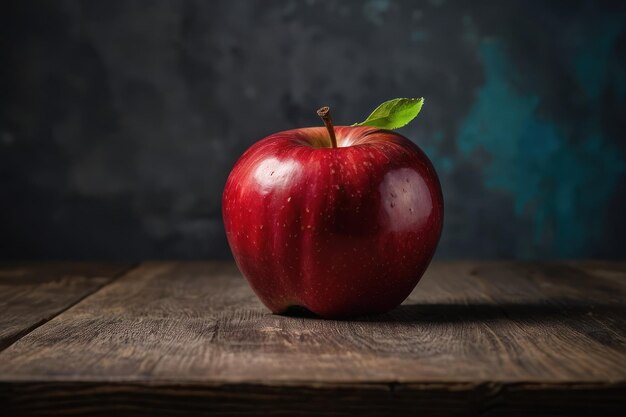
(120, 120)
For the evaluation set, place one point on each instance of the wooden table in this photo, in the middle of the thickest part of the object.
(182, 338)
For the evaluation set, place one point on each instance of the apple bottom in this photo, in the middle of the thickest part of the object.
(359, 286)
(346, 300)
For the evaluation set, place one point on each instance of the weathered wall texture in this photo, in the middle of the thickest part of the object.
(120, 120)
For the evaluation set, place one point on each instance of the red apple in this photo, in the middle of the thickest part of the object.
(340, 230)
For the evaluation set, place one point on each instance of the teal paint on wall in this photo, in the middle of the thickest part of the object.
(593, 51)
(559, 181)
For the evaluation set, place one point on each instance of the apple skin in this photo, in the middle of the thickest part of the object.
(343, 231)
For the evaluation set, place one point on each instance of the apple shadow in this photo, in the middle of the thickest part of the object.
(604, 322)
(544, 310)
(300, 312)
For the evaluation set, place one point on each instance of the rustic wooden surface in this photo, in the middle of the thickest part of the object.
(474, 338)
(31, 294)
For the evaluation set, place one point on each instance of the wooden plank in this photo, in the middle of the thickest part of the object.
(568, 324)
(227, 400)
(474, 338)
(613, 271)
(32, 293)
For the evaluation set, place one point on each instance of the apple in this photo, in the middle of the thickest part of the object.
(341, 221)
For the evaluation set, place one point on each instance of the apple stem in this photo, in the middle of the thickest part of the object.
(324, 113)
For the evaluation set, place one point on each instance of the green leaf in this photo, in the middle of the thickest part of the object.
(394, 114)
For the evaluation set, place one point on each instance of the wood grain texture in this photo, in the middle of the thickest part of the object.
(30, 294)
(473, 339)
(175, 399)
